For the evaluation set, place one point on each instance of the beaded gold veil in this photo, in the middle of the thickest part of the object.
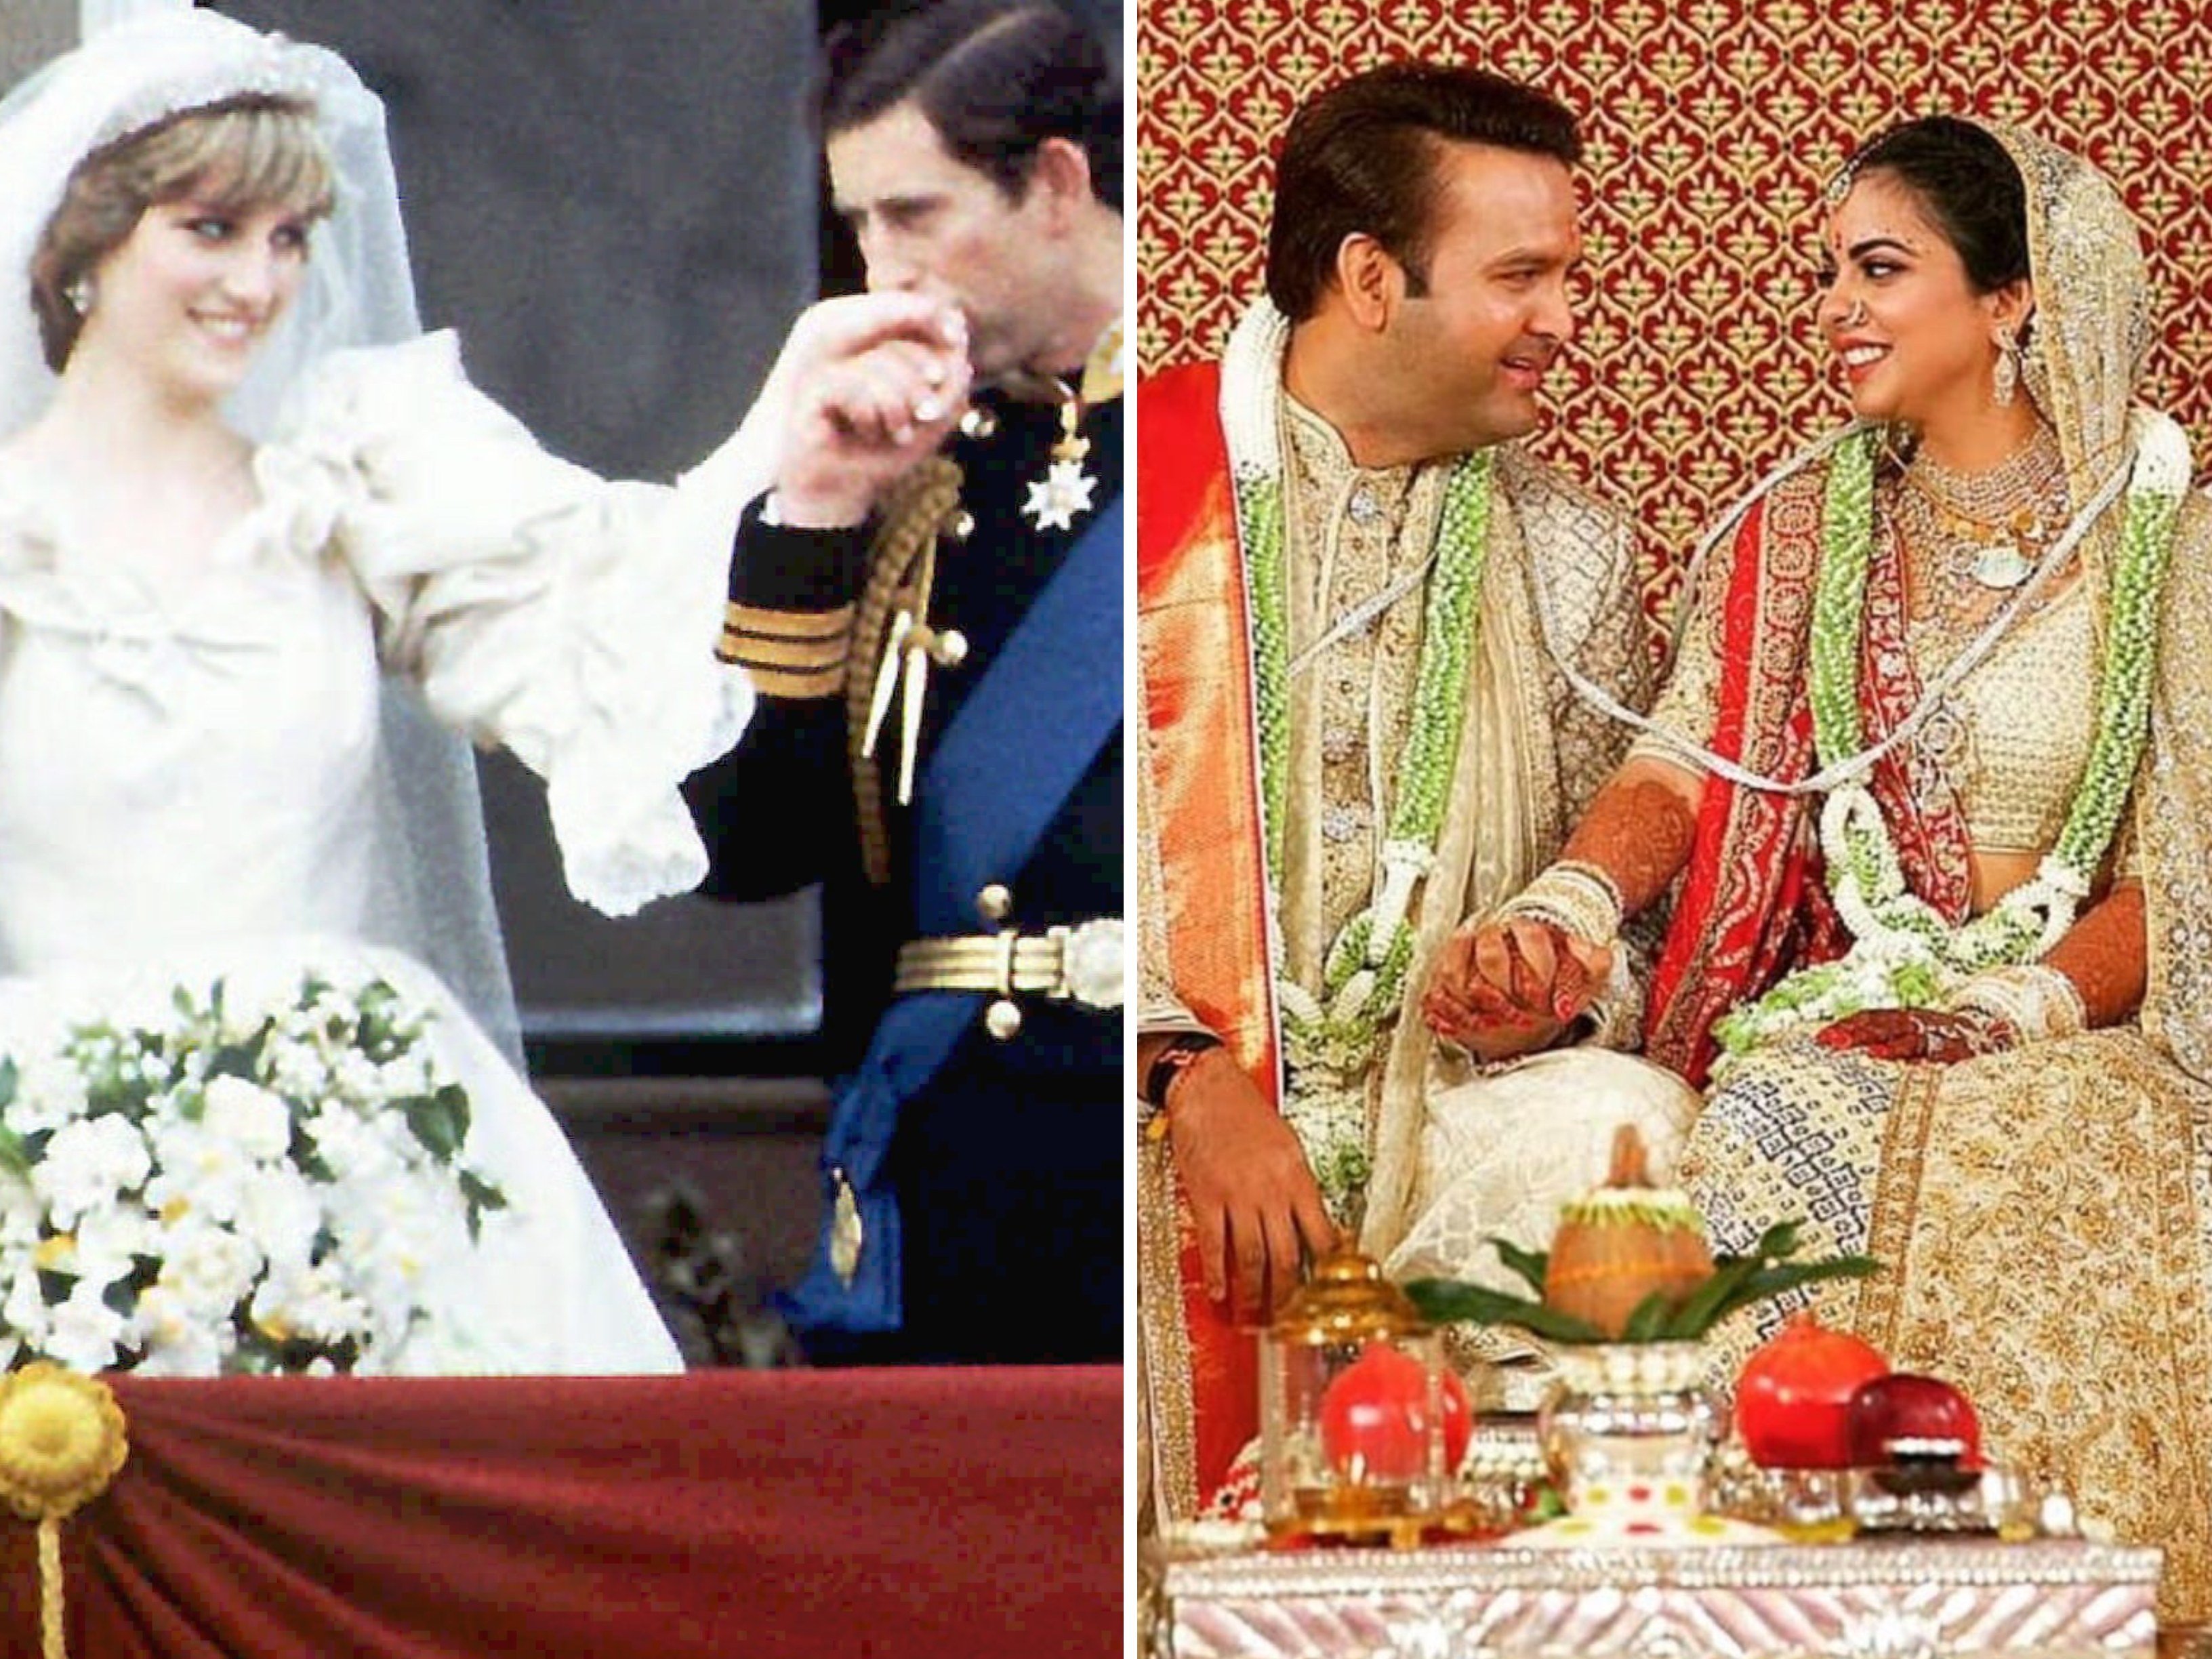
(2092, 326)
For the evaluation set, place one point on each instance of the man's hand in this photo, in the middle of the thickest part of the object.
(1920, 1034)
(1245, 1178)
(878, 380)
(1505, 988)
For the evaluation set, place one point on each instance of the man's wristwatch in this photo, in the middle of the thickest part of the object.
(1178, 1052)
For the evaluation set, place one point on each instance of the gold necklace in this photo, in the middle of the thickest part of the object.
(1994, 524)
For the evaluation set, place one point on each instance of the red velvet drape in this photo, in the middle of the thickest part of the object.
(875, 1514)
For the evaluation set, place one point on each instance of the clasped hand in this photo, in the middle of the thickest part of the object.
(1924, 1034)
(1511, 985)
(878, 380)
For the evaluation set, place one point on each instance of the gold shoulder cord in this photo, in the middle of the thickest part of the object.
(900, 571)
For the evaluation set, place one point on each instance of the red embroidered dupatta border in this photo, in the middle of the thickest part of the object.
(1753, 906)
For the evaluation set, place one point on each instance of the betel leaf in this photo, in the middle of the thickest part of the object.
(1446, 1301)
(1695, 1314)
(1648, 1322)
(1531, 1265)
(1786, 1276)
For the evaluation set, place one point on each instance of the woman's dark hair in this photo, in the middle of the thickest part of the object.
(995, 78)
(1968, 186)
(1361, 159)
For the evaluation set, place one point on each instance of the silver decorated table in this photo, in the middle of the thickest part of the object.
(2051, 1599)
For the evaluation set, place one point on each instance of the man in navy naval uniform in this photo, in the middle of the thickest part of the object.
(929, 600)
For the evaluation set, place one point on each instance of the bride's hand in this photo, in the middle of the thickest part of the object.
(1503, 989)
(877, 381)
(1918, 1034)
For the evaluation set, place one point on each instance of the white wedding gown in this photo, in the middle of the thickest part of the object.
(201, 784)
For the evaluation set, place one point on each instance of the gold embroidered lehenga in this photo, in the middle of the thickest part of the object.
(2043, 1214)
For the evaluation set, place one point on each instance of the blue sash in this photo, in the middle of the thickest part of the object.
(1022, 741)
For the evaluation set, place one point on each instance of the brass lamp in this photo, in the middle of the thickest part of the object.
(1353, 1407)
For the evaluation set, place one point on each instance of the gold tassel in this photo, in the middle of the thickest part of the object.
(62, 1440)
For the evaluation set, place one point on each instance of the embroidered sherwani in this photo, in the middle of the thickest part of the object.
(1530, 756)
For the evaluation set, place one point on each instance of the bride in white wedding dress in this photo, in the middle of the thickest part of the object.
(253, 527)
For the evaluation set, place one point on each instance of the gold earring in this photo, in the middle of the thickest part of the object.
(2004, 377)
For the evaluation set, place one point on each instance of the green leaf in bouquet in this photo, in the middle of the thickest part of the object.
(237, 1060)
(481, 1198)
(1446, 1301)
(440, 1121)
(15, 1156)
(1529, 1265)
(307, 1159)
(9, 1076)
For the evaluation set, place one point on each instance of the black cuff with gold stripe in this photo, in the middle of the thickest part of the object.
(789, 624)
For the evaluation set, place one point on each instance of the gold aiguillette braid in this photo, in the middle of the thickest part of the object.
(919, 504)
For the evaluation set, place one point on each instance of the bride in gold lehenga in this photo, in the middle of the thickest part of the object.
(1944, 928)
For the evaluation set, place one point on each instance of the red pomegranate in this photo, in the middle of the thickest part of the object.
(1375, 1417)
(1793, 1398)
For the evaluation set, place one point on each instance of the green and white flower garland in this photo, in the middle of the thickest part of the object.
(1331, 1037)
(1904, 953)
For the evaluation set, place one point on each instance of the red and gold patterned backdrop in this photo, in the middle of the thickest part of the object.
(1711, 127)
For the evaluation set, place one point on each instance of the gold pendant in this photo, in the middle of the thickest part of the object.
(846, 1233)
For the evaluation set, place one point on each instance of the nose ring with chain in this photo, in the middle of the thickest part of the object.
(1855, 316)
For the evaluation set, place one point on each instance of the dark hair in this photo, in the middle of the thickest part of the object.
(245, 152)
(995, 78)
(1362, 158)
(1970, 187)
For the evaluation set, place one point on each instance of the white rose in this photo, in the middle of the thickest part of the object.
(179, 1340)
(250, 1115)
(281, 1212)
(353, 1147)
(20, 1211)
(298, 1069)
(49, 1092)
(201, 1175)
(85, 1331)
(26, 1309)
(306, 1301)
(106, 1242)
(355, 1074)
(87, 1164)
(209, 1269)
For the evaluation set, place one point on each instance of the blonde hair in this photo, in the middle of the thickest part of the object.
(245, 153)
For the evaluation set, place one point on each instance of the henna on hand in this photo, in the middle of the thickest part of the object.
(2106, 953)
(1935, 1035)
(1639, 829)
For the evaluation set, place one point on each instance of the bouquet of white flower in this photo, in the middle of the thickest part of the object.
(237, 1182)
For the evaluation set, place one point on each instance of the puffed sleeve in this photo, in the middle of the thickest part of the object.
(538, 607)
